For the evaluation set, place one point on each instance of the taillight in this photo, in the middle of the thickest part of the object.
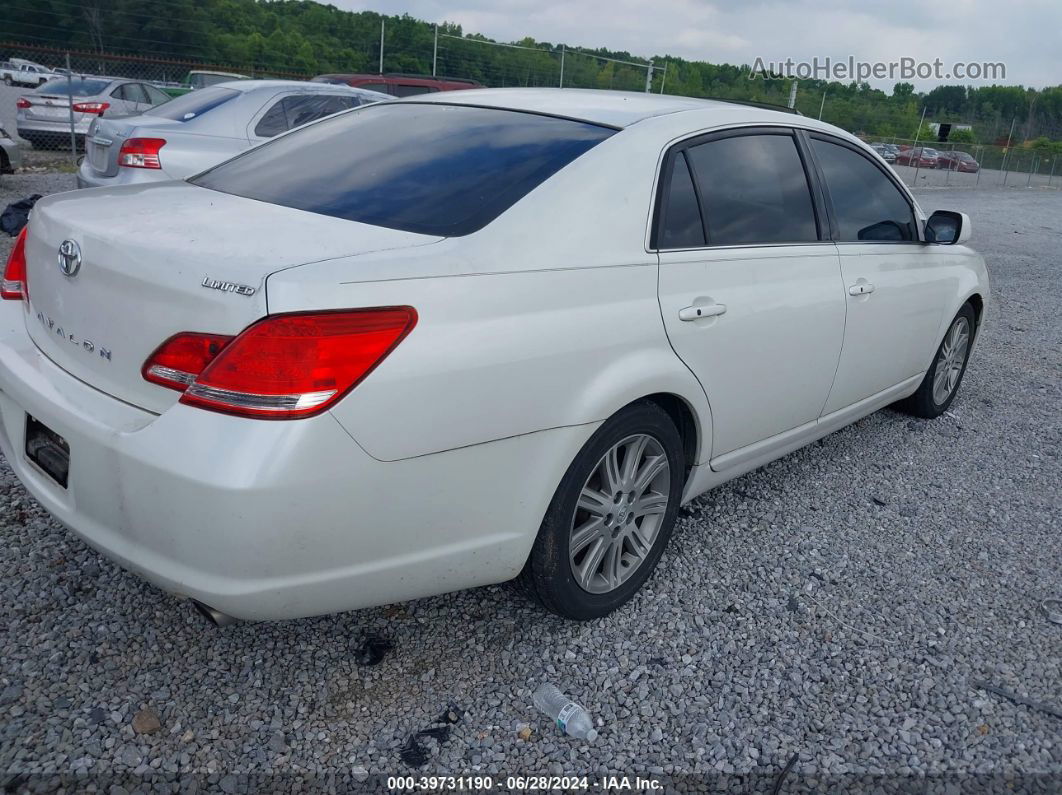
(91, 107)
(22, 103)
(13, 287)
(141, 153)
(177, 361)
(290, 366)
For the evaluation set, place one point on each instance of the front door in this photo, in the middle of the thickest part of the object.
(895, 286)
(751, 294)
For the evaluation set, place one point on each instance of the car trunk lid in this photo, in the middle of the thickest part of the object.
(106, 136)
(159, 260)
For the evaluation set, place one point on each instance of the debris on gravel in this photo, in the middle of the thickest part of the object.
(827, 615)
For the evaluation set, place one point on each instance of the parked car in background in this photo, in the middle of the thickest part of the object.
(199, 78)
(20, 72)
(957, 160)
(10, 154)
(400, 85)
(919, 156)
(887, 154)
(286, 398)
(42, 117)
(204, 127)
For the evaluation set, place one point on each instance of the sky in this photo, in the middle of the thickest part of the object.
(1025, 35)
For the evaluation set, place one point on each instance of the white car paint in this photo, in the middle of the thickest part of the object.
(434, 473)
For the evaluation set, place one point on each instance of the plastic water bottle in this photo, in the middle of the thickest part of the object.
(571, 718)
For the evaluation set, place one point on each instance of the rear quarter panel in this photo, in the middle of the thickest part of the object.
(547, 317)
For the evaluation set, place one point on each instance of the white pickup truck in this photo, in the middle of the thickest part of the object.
(20, 72)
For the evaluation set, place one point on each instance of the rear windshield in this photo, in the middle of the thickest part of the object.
(193, 104)
(78, 87)
(433, 169)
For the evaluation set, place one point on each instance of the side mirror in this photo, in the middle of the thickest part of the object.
(946, 227)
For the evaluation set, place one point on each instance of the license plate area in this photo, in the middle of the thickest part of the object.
(48, 450)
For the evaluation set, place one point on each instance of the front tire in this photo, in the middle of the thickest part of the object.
(942, 379)
(611, 516)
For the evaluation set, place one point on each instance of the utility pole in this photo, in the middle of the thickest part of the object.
(792, 95)
(70, 93)
(382, 23)
(562, 67)
(649, 78)
(1006, 151)
(917, 154)
(663, 78)
(435, 53)
(822, 104)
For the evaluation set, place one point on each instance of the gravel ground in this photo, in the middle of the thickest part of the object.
(841, 604)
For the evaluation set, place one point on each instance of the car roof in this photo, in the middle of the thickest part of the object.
(612, 108)
(302, 85)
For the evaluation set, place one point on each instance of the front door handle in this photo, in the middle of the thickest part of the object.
(698, 312)
(861, 288)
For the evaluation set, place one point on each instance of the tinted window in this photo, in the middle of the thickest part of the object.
(754, 190)
(274, 122)
(682, 226)
(310, 107)
(193, 104)
(381, 87)
(155, 96)
(79, 87)
(403, 90)
(866, 204)
(294, 111)
(433, 169)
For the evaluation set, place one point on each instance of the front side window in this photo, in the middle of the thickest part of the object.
(429, 168)
(867, 205)
(753, 190)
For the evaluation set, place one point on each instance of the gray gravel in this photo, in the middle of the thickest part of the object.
(838, 604)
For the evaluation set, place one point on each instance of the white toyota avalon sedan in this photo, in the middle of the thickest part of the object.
(438, 343)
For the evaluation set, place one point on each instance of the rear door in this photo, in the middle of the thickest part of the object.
(895, 287)
(750, 286)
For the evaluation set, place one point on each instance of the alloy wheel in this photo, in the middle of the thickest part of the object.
(619, 513)
(950, 360)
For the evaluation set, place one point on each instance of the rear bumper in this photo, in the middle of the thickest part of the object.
(271, 520)
(88, 177)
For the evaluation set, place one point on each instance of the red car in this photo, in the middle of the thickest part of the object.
(920, 156)
(958, 161)
(398, 85)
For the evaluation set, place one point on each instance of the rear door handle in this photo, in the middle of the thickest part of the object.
(861, 288)
(698, 312)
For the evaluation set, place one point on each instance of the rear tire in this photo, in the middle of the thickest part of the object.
(943, 378)
(611, 516)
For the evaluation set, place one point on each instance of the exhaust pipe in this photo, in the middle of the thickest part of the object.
(215, 617)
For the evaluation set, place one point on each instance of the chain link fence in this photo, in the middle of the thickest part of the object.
(930, 164)
(920, 163)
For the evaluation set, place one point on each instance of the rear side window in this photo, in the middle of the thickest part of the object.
(404, 90)
(297, 110)
(753, 190)
(866, 204)
(428, 168)
(193, 104)
(682, 226)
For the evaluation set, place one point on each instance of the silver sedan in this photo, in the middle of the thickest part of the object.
(43, 116)
(205, 127)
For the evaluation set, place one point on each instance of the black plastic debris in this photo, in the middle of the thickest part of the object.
(372, 650)
(452, 714)
(16, 215)
(414, 753)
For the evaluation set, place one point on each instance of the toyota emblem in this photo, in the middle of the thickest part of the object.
(69, 257)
